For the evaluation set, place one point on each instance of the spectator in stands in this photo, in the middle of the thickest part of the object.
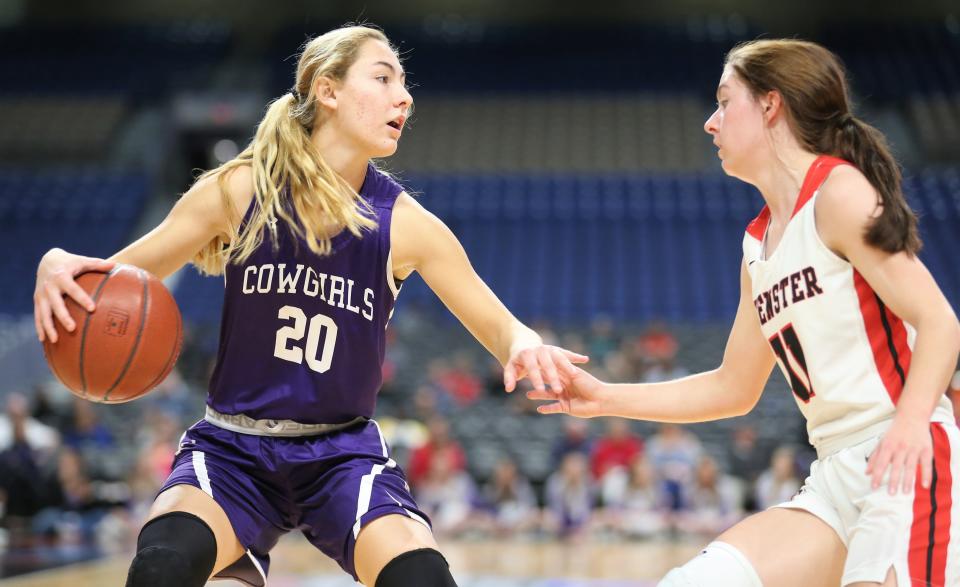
(713, 503)
(746, 459)
(635, 500)
(576, 438)
(37, 435)
(173, 396)
(439, 445)
(82, 501)
(447, 494)
(459, 380)
(92, 440)
(28, 481)
(674, 454)
(570, 498)
(615, 449)
(509, 501)
(658, 347)
(603, 338)
(85, 429)
(657, 341)
(47, 411)
(779, 483)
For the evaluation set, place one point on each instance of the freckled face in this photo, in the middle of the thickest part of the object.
(372, 100)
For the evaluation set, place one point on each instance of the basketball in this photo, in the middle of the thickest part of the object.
(125, 347)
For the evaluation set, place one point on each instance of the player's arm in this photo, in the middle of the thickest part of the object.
(846, 205)
(421, 242)
(197, 218)
(730, 390)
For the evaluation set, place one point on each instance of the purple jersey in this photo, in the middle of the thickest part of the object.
(302, 335)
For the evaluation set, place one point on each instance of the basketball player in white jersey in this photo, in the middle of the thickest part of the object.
(832, 291)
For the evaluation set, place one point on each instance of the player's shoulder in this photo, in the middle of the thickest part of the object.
(381, 188)
(846, 204)
(848, 195)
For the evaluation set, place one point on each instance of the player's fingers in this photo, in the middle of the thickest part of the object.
(533, 370)
(564, 365)
(926, 468)
(554, 408)
(545, 359)
(92, 264)
(877, 466)
(37, 323)
(79, 295)
(574, 357)
(910, 466)
(59, 308)
(46, 319)
(509, 377)
(897, 466)
(541, 395)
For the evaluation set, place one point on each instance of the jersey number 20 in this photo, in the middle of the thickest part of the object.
(296, 354)
(782, 341)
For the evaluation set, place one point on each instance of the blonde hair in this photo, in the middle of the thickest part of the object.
(287, 166)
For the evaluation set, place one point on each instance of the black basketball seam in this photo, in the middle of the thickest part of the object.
(136, 343)
(86, 325)
(173, 354)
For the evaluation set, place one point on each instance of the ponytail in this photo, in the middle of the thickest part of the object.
(895, 229)
(813, 84)
(292, 181)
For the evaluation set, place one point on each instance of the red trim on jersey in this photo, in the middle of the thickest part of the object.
(888, 338)
(816, 175)
(758, 226)
(930, 532)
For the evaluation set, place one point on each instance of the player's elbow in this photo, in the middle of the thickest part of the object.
(742, 393)
(955, 336)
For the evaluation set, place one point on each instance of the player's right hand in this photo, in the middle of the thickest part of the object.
(581, 394)
(55, 279)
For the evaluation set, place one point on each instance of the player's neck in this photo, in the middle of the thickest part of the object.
(780, 180)
(348, 162)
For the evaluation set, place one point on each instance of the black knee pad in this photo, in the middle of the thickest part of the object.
(423, 567)
(176, 549)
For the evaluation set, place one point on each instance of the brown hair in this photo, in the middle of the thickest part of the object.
(286, 165)
(813, 84)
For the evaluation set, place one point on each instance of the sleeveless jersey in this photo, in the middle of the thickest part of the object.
(302, 336)
(844, 353)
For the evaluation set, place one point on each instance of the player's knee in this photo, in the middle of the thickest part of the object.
(424, 566)
(174, 550)
(718, 565)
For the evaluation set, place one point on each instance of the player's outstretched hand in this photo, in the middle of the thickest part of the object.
(55, 279)
(581, 394)
(904, 448)
(541, 364)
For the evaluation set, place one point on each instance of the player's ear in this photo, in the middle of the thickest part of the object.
(325, 90)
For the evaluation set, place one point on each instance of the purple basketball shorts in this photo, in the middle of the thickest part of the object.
(327, 486)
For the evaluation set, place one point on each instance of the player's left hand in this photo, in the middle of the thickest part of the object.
(905, 447)
(540, 363)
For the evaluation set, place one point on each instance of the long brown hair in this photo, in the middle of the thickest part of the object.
(287, 167)
(813, 84)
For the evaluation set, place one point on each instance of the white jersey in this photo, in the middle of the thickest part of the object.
(844, 353)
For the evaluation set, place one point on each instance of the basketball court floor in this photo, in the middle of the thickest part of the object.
(294, 563)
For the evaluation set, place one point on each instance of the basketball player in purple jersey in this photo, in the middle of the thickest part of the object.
(832, 291)
(314, 242)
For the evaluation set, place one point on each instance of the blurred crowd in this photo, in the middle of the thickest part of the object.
(77, 479)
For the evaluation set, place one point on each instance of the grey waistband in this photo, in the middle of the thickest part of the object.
(246, 425)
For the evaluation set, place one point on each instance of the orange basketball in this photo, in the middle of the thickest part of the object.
(125, 347)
